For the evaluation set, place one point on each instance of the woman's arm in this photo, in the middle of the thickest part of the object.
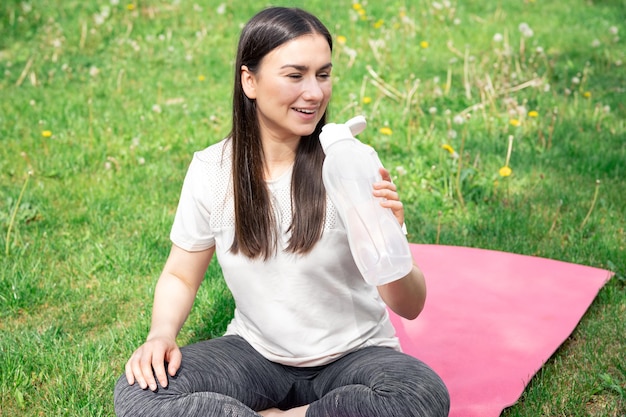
(406, 296)
(174, 295)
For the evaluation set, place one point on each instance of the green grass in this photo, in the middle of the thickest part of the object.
(128, 100)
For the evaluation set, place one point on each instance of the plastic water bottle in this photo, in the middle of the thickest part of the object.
(377, 241)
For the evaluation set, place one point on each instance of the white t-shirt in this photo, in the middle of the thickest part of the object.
(296, 310)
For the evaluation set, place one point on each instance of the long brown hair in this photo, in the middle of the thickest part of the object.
(256, 231)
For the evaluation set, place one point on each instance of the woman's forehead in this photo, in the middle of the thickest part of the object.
(305, 50)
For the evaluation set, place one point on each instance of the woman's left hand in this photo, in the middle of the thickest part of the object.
(389, 194)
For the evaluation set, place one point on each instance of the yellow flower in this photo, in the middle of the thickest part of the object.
(367, 100)
(505, 171)
(424, 44)
(130, 6)
(341, 39)
(448, 148)
(533, 113)
(201, 77)
(386, 131)
(587, 94)
(357, 6)
(379, 24)
(46, 133)
(515, 122)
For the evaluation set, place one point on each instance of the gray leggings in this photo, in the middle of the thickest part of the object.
(227, 377)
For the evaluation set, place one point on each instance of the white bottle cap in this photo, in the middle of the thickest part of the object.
(333, 132)
(357, 125)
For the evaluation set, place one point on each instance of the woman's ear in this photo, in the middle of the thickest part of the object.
(248, 82)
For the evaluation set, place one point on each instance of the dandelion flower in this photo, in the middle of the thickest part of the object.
(450, 150)
(596, 43)
(46, 133)
(357, 6)
(587, 94)
(458, 119)
(379, 24)
(98, 19)
(514, 122)
(341, 40)
(613, 30)
(156, 108)
(575, 80)
(130, 6)
(201, 77)
(432, 110)
(498, 37)
(424, 44)
(526, 30)
(367, 100)
(533, 113)
(386, 131)
(505, 171)
(401, 170)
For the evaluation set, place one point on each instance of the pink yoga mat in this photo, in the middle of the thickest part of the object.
(492, 319)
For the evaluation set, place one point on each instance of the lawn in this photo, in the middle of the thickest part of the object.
(503, 124)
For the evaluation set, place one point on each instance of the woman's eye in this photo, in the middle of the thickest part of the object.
(295, 76)
(324, 75)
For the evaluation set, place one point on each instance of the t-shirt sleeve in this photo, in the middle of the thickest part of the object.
(191, 229)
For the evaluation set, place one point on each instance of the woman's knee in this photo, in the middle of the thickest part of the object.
(129, 400)
(384, 382)
(413, 388)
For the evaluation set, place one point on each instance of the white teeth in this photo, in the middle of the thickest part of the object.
(305, 111)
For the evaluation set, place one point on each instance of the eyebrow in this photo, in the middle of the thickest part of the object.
(304, 67)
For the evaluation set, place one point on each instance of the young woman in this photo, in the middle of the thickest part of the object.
(309, 336)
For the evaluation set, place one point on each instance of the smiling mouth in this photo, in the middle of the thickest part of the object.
(305, 111)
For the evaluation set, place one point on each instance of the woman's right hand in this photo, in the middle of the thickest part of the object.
(173, 298)
(150, 359)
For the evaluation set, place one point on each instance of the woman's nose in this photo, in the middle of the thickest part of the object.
(313, 90)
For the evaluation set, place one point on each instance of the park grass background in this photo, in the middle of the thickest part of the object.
(102, 104)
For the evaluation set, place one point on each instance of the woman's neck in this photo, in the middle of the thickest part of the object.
(279, 157)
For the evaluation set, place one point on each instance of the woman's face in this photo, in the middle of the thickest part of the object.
(292, 87)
